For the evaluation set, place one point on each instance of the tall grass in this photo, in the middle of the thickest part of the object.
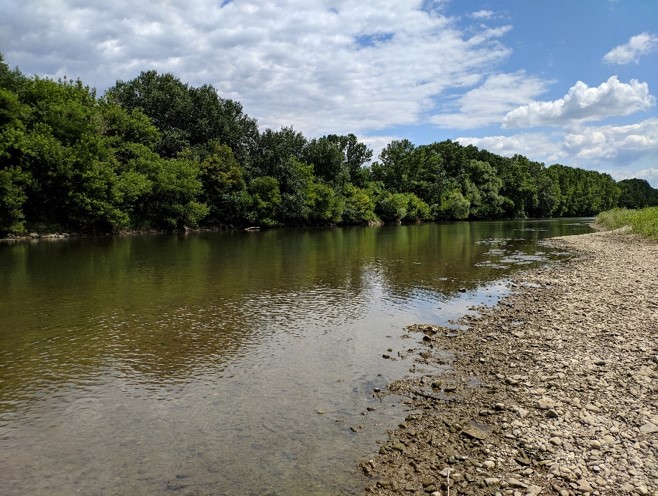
(643, 221)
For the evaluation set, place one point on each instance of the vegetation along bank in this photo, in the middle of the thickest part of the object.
(156, 153)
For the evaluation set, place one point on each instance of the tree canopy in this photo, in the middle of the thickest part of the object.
(155, 152)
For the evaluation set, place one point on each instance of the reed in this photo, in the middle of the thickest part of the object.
(643, 221)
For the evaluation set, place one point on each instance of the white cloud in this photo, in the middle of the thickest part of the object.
(582, 103)
(639, 45)
(626, 143)
(483, 14)
(323, 66)
(490, 102)
(650, 174)
(606, 148)
(541, 147)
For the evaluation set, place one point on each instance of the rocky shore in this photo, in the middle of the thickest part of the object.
(553, 391)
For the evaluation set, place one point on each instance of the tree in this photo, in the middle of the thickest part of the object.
(359, 206)
(637, 193)
(224, 186)
(328, 160)
(266, 199)
(394, 169)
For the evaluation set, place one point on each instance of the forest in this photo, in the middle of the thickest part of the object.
(157, 153)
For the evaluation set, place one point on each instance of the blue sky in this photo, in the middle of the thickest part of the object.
(560, 81)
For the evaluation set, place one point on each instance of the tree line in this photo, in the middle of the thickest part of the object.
(157, 153)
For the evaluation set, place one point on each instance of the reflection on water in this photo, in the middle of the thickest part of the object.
(226, 363)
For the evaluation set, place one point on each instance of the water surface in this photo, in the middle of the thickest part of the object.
(226, 363)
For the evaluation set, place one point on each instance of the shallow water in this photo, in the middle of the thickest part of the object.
(227, 363)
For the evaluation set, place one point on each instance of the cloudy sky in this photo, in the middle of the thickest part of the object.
(560, 81)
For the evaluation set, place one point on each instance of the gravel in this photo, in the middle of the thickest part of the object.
(553, 391)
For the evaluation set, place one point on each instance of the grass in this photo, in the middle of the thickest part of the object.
(643, 221)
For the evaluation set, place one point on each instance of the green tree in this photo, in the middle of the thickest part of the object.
(224, 187)
(637, 193)
(359, 206)
(266, 199)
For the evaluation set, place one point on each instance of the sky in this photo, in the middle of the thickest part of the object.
(560, 81)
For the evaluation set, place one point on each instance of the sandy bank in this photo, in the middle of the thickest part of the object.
(554, 391)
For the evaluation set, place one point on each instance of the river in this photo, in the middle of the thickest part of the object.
(227, 363)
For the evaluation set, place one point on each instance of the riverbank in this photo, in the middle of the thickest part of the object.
(553, 391)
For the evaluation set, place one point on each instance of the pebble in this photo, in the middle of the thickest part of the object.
(570, 406)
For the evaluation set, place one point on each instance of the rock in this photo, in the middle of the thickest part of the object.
(522, 460)
(489, 464)
(492, 481)
(649, 428)
(534, 490)
(584, 486)
(522, 412)
(516, 483)
(476, 430)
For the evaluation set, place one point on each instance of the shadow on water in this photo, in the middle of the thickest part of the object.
(226, 363)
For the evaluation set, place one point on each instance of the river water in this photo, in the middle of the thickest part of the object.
(238, 363)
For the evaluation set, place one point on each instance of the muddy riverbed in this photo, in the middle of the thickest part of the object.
(553, 391)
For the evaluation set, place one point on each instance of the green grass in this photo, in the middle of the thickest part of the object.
(644, 221)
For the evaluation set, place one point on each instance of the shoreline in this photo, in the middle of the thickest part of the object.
(552, 391)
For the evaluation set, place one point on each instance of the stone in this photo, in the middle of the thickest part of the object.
(516, 483)
(584, 486)
(492, 481)
(476, 430)
(534, 490)
(649, 428)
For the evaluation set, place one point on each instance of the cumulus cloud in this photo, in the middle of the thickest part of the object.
(639, 45)
(628, 142)
(607, 148)
(582, 103)
(541, 147)
(490, 102)
(324, 66)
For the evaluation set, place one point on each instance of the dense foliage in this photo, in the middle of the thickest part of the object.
(155, 152)
(642, 221)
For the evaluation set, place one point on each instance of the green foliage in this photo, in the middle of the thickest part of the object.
(359, 206)
(224, 186)
(12, 198)
(453, 206)
(155, 152)
(266, 199)
(399, 207)
(637, 193)
(324, 204)
(643, 221)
